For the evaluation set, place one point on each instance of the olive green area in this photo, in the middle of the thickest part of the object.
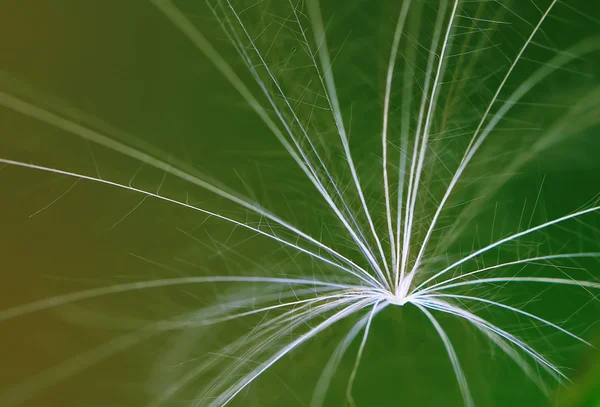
(123, 65)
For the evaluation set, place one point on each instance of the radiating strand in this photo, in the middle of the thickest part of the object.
(227, 396)
(43, 115)
(508, 307)
(327, 374)
(361, 349)
(272, 330)
(363, 275)
(414, 170)
(310, 54)
(508, 264)
(505, 240)
(478, 321)
(517, 358)
(354, 295)
(292, 318)
(315, 177)
(571, 123)
(460, 376)
(320, 38)
(478, 138)
(427, 126)
(181, 22)
(545, 280)
(65, 369)
(384, 132)
(307, 316)
(407, 91)
(260, 340)
(141, 285)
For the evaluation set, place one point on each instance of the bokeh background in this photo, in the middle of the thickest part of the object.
(122, 65)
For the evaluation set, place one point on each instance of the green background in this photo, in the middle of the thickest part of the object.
(124, 63)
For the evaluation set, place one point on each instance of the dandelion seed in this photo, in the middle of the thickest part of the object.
(459, 110)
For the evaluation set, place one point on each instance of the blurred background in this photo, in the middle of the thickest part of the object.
(123, 69)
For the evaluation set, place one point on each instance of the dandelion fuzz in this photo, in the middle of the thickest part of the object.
(301, 202)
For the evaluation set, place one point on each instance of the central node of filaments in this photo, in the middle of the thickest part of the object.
(396, 299)
(400, 295)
